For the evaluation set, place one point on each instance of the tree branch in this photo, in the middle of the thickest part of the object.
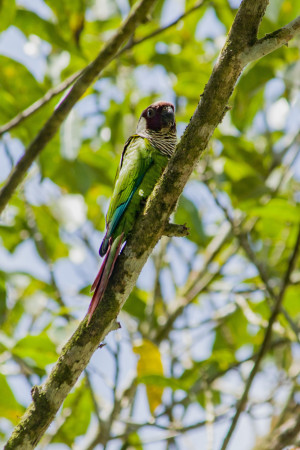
(148, 229)
(272, 41)
(206, 379)
(266, 342)
(137, 14)
(243, 241)
(40, 103)
(162, 29)
(19, 118)
(172, 229)
(285, 431)
(199, 286)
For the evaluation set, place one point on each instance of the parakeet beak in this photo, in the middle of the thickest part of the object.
(168, 116)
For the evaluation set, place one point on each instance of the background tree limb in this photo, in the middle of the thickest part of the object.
(138, 13)
(76, 354)
(39, 103)
(272, 41)
(36, 106)
(266, 342)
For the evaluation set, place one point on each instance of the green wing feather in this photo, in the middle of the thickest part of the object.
(135, 161)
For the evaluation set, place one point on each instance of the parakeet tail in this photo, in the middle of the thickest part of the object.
(104, 246)
(101, 280)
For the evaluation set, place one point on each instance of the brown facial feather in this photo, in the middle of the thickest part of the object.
(157, 124)
(160, 115)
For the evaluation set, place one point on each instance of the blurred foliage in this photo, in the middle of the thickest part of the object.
(200, 307)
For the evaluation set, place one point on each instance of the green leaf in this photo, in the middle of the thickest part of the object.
(230, 337)
(74, 176)
(70, 16)
(52, 245)
(133, 441)
(238, 170)
(9, 407)
(78, 407)
(161, 381)
(136, 304)
(14, 77)
(249, 97)
(150, 363)
(279, 209)
(291, 301)
(7, 13)
(224, 12)
(31, 23)
(187, 213)
(38, 350)
(185, 86)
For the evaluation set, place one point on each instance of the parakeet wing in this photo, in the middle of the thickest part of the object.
(135, 162)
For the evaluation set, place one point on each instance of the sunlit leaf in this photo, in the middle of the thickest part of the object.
(9, 407)
(15, 77)
(7, 12)
(38, 350)
(150, 363)
(278, 209)
(30, 23)
(187, 213)
(136, 303)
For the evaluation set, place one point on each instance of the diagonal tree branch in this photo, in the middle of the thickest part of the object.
(19, 118)
(39, 103)
(162, 29)
(266, 342)
(76, 354)
(137, 14)
(259, 49)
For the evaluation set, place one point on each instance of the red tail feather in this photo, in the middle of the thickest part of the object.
(104, 274)
(99, 275)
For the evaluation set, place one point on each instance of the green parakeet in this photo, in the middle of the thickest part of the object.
(143, 160)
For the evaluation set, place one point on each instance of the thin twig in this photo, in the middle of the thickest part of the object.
(242, 238)
(133, 42)
(40, 103)
(104, 434)
(174, 230)
(266, 342)
(272, 41)
(8, 153)
(156, 292)
(195, 283)
(92, 71)
(19, 118)
(207, 379)
(204, 280)
(175, 427)
(95, 404)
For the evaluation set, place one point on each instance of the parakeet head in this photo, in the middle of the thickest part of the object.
(158, 117)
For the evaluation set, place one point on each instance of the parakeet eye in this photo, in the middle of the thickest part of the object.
(150, 112)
